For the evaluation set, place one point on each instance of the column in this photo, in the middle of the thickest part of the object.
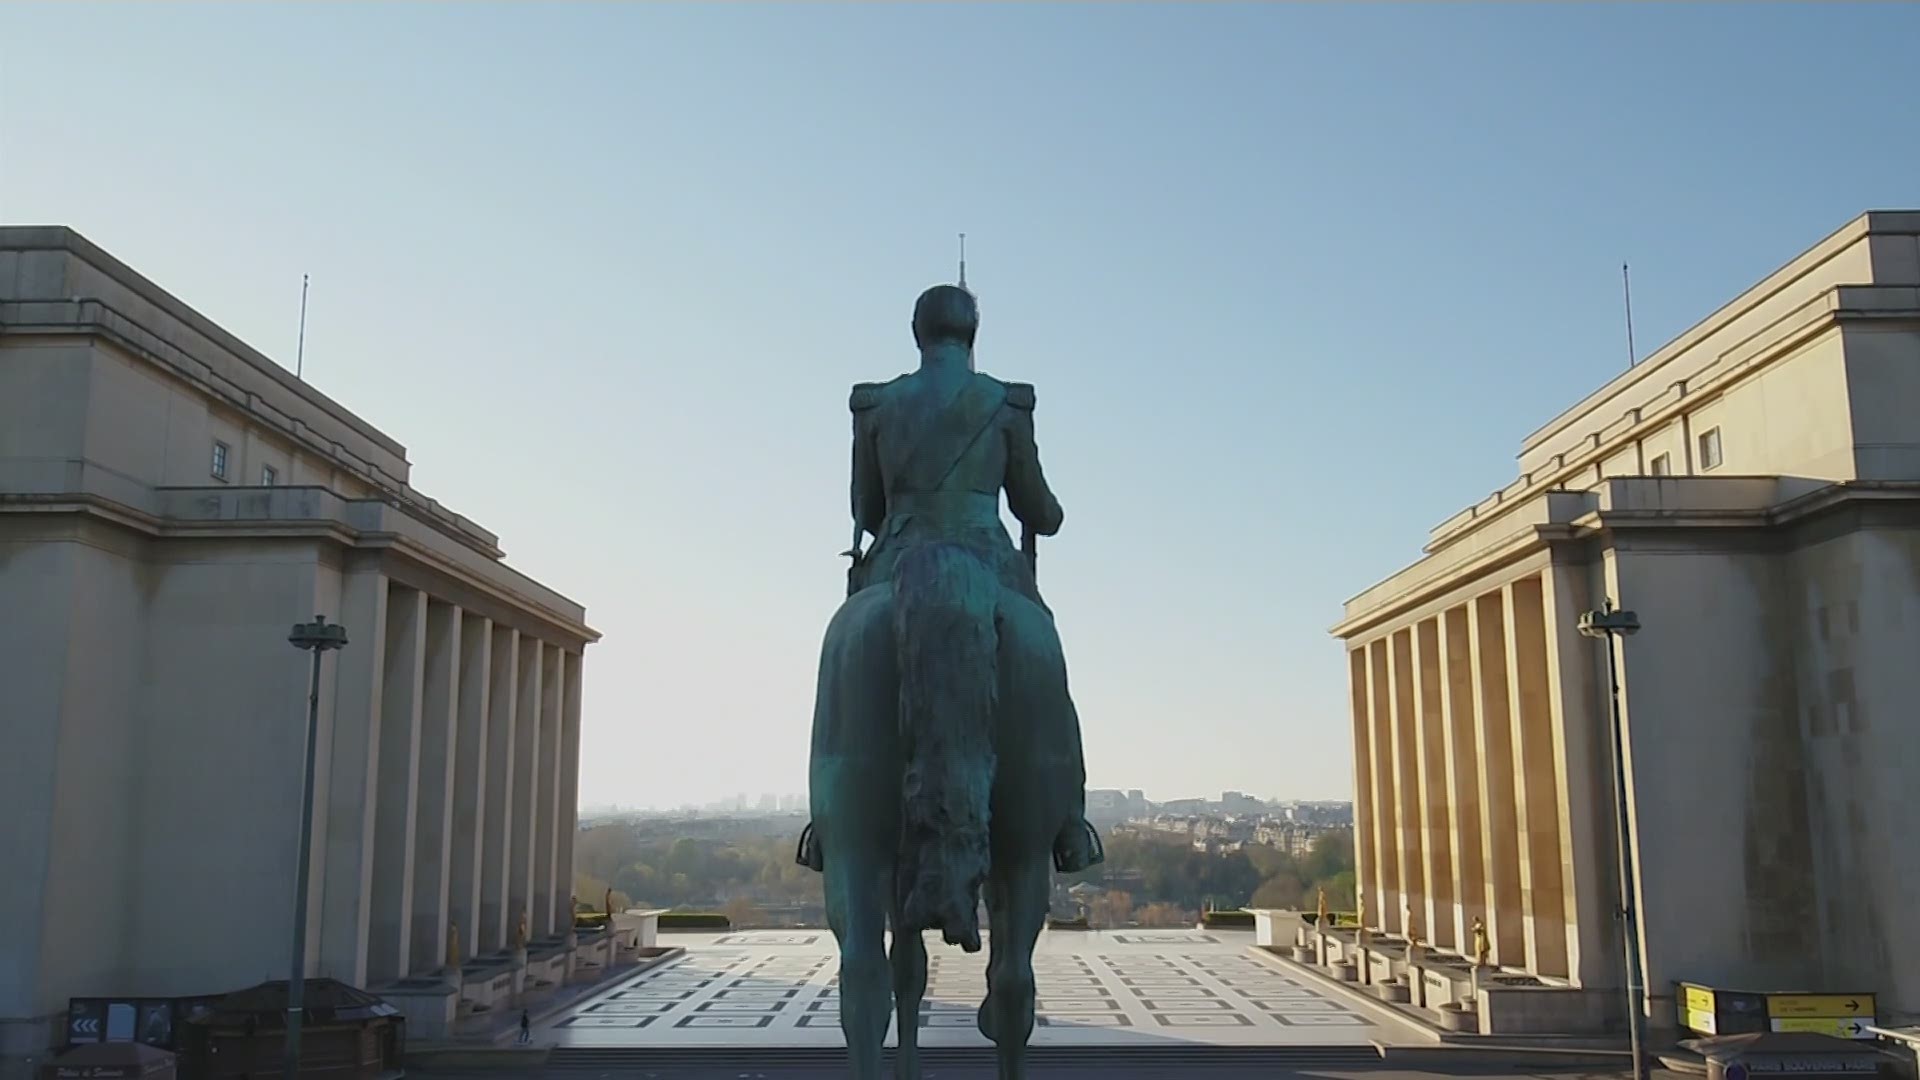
(1583, 752)
(1385, 899)
(1535, 789)
(347, 800)
(570, 778)
(549, 893)
(496, 844)
(470, 792)
(1493, 744)
(1406, 782)
(397, 804)
(1436, 821)
(433, 814)
(522, 826)
(1365, 853)
(1459, 709)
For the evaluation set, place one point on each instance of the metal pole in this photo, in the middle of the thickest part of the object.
(1626, 288)
(1630, 934)
(297, 979)
(300, 349)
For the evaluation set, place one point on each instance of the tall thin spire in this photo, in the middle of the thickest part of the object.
(963, 260)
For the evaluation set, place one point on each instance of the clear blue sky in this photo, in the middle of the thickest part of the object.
(1293, 281)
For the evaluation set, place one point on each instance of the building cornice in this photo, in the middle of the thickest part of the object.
(99, 321)
(28, 239)
(316, 514)
(1530, 540)
(1786, 277)
(1601, 522)
(1837, 307)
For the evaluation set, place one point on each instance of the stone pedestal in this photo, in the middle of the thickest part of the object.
(431, 1006)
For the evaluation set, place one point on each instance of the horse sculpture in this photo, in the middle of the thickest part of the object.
(946, 761)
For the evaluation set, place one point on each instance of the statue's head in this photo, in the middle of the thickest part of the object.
(945, 313)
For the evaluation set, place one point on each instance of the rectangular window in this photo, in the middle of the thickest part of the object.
(1662, 465)
(268, 477)
(219, 460)
(1709, 449)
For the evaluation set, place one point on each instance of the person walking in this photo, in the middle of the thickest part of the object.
(526, 1028)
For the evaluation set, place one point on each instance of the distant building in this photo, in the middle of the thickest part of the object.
(1752, 491)
(1106, 806)
(1238, 802)
(171, 503)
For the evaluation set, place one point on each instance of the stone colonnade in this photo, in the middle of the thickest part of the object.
(447, 786)
(1480, 785)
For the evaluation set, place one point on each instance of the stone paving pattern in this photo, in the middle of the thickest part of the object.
(780, 988)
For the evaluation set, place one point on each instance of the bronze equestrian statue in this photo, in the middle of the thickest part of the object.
(946, 756)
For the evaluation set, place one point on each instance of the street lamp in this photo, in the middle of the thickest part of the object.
(317, 636)
(1613, 624)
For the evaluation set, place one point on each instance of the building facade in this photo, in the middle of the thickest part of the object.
(171, 503)
(1752, 491)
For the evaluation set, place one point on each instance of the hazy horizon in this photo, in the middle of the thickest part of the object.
(1293, 282)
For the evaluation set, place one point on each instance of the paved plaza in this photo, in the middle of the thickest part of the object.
(1143, 987)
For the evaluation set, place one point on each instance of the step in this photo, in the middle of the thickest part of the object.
(1186, 1055)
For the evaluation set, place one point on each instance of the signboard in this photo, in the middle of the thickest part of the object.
(1782, 1005)
(86, 1021)
(153, 1021)
(1839, 1027)
(1709, 1011)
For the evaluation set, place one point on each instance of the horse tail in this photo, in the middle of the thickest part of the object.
(946, 643)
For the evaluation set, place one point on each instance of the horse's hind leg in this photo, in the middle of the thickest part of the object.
(1010, 987)
(857, 902)
(909, 956)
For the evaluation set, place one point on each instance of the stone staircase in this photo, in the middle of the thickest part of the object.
(1173, 1059)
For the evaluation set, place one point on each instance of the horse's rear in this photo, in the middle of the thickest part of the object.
(939, 772)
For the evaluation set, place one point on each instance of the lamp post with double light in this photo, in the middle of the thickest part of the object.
(1613, 624)
(319, 637)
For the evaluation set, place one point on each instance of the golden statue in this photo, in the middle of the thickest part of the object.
(1320, 920)
(1482, 948)
(1360, 916)
(609, 905)
(520, 931)
(453, 946)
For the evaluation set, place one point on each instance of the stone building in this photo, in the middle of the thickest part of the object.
(1752, 491)
(171, 503)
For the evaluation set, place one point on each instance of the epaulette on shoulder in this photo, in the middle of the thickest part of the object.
(1020, 395)
(865, 396)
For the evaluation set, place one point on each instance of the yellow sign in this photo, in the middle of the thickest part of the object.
(1850, 1028)
(1697, 999)
(1827, 1005)
(1701, 1020)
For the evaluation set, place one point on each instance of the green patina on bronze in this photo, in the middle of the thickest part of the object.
(946, 764)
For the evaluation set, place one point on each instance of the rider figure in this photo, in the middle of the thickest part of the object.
(932, 451)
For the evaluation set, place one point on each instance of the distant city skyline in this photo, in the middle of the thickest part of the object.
(796, 801)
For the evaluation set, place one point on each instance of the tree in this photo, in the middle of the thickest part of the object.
(1111, 909)
(1164, 915)
(1340, 896)
(1331, 853)
(743, 914)
(1282, 892)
